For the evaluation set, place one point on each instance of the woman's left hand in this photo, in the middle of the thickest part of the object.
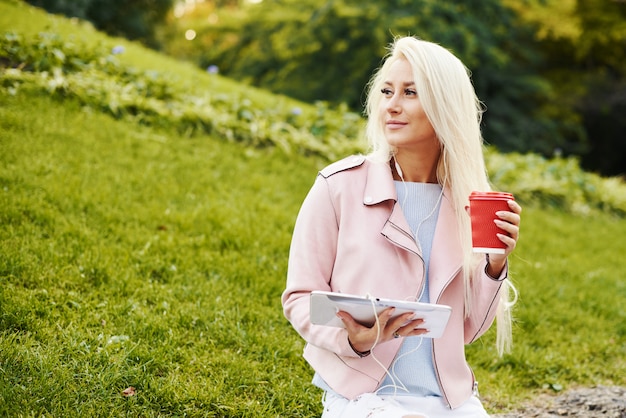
(508, 221)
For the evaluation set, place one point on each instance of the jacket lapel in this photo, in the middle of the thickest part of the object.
(446, 256)
(381, 188)
(397, 230)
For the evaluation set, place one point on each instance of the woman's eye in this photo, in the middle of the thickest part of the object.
(386, 92)
(410, 92)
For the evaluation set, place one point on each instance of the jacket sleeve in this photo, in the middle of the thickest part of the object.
(311, 259)
(485, 300)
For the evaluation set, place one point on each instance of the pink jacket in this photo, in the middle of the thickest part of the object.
(351, 237)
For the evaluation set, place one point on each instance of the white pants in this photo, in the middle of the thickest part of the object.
(370, 405)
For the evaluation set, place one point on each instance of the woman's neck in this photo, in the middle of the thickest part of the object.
(418, 168)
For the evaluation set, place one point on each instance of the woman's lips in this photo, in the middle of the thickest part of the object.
(395, 124)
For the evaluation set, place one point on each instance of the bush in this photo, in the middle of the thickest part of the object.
(95, 77)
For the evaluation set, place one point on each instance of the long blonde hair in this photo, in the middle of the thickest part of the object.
(447, 95)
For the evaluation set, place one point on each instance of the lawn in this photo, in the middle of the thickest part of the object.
(135, 258)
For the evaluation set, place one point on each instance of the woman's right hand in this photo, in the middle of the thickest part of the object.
(363, 338)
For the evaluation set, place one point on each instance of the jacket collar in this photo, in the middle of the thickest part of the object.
(379, 184)
(380, 188)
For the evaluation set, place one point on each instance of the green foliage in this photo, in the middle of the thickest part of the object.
(329, 49)
(96, 78)
(557, 183)
(582, 42)
(603, 26)
(600, 51)
(133, 19)
(47, 53)
(300, 50)
(550, 72)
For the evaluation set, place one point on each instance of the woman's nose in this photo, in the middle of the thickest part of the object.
(393, 105)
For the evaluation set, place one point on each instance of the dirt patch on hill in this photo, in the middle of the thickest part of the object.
(595, 402)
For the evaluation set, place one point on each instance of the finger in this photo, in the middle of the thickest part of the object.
(404, 325)
(509, 242)
(415, 332)
(400, 321)
(350, 323)
(408, 328)
(412, 330)
(511, 229)
(510, 217)
(514, 206)
(386, 314)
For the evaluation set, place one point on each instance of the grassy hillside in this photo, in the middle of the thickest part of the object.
(143, 249)
(130, 258)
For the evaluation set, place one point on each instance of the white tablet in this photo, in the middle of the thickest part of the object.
(325, 305)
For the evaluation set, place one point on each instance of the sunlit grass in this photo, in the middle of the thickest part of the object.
(134, 258)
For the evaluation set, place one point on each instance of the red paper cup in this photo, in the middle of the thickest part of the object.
(483, 208)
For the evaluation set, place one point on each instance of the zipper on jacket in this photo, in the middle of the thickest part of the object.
(421, 288)
(396, 243)
(443, 392)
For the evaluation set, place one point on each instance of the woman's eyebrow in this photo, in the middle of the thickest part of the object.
(404, 84)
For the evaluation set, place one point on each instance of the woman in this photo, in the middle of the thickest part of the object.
(394, 225)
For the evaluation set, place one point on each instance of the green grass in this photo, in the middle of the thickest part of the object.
(175, 248)
(132, 255)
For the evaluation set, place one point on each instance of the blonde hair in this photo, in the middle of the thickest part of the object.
(447, 95)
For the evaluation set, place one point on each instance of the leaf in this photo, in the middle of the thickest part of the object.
(557, 387)
(117, 339)
(129, 391)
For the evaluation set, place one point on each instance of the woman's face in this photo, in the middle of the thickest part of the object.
(404, 121)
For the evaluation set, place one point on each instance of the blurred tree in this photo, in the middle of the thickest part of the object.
(584, 44)
(133, 19)
(552, 73)
(601, 54)
(328, 49)
(72, 8)
(493, 44)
